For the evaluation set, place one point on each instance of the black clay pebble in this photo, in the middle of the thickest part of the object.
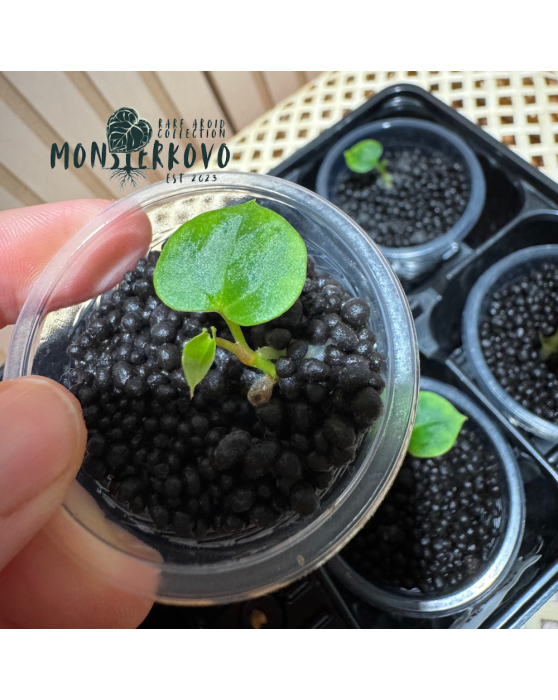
(215, 464)
(428, 196)
(438, 523)
(517, 315)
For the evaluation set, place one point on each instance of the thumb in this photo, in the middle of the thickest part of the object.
(42, 442)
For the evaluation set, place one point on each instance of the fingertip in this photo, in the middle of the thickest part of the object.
(42, 442)
(31, 237)
(102, 264)
(45, 587)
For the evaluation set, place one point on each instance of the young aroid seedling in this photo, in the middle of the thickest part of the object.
(439, 524)
(366, 155)
(246, 263)
(437, 426)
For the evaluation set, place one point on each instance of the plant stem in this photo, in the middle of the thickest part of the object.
(252, 358)
(245, 356)
(387, 179)
(237, 333)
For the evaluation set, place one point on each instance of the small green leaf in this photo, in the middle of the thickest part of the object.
(437, 426)
(245, 262)
(364, 156)
(549, 345)
(197, 358)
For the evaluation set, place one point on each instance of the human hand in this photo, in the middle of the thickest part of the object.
(43, 435)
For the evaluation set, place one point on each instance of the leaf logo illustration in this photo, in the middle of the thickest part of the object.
(126, 132)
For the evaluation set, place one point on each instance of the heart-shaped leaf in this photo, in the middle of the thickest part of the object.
(126, 132)
(364, 156)
(245, 262)
(197, 357)
(437, 426)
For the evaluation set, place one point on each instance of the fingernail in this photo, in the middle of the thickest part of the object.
(42, 438)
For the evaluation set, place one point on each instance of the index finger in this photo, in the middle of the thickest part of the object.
(30, 238)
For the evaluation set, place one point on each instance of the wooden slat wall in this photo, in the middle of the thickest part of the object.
(243, 94)
(7, 200)
(39, 108)
(37, 92)
(283, 83)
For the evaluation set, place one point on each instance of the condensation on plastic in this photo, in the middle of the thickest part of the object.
(127, 550)
(507, 545)
(413, 261)
(506, 271)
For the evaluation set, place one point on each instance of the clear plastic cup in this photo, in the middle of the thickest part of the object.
(492, 574)
(126, 549)
(506, 271)
(413, 261)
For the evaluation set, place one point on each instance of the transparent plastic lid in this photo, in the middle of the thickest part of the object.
(126, 549)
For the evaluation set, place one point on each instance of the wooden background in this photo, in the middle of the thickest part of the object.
(38, 109)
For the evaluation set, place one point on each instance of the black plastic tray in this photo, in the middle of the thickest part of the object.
(521, 210)
(311, 603)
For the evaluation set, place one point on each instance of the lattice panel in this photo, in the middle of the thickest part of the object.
(518, 108)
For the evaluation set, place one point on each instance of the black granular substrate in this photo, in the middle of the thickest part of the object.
(518, 314)
(215, 464)
(429, 194)
(438, 523)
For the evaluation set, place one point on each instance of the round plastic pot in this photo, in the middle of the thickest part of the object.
(396, 134)
(475, 590)
(504, 272)
(126, 548)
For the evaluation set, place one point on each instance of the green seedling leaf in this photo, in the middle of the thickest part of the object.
(245, 262)
(437, 426)
(364, 156)
(549, 345)
(197, 358)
